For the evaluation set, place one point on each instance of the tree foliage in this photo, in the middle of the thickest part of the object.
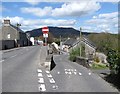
(108, 44)
(76, 52)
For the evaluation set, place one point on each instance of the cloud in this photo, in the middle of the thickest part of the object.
(66, 9)
(28, 24)
(104, 18)
(37, 11)
(108, 15)
(32, 2)
(14, 20)
(76, 8)
(113, 1)
(105, 22)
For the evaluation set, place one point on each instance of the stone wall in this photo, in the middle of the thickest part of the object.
(82, 61)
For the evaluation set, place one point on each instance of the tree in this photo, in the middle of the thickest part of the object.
(113, 60)
(50, 37)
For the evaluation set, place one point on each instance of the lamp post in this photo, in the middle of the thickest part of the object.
(80, 41)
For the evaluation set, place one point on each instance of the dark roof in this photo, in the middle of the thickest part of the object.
(87, 41)
(18, 29)
(71, 42)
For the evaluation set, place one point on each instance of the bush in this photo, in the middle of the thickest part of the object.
(97, 59)
(73, 53)
(76, 52)
(113, 60)
(99, 66)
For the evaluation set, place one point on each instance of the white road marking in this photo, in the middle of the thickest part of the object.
(89, 73)
(66, 72)
(80, 73)
(39, 70)
(13, 56)
(65, 69)
(2, 61)
(40, 75)
(75, 73)
(42, 87)
(41, 80)
(49, 75)
(55, 87)
(47, 71)
(58, 72)
(70, 73)
(51, 80)
(75, 70)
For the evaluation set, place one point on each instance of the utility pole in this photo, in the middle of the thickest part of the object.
(60, 44)
(80, 41)
(17, 34)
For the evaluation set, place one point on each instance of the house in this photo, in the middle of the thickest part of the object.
(12, 36)
(71, 43)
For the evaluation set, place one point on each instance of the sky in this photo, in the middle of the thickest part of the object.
(90, 15)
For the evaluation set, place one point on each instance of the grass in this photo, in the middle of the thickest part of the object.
(99, 66)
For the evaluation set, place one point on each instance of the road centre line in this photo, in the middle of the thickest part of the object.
(58, 72)
(89, 73)
(13, 56)
(2, 61)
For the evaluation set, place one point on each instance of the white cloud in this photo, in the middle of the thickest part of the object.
(60, 0)
(103, 26)
(105, 22)
(28, 24)
(76, 8)
(67, 9)
(14, 20)
(108, 1)
(37, 11)
(32, 2)
(109, 15)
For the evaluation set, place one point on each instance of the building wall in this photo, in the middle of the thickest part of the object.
(7, 44)
(14, 34)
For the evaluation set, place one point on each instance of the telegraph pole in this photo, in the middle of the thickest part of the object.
(60, 44)
(80, 41)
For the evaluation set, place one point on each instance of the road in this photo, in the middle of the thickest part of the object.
(19, 70)
(21, 73)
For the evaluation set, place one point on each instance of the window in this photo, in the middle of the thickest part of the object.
(8, 35)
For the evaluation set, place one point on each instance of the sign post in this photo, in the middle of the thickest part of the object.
(45, 31)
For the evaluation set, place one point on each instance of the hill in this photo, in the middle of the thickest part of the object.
(57, 32)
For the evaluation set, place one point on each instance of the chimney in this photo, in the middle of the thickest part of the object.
(6, 22)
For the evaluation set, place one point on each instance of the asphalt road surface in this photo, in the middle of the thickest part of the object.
(21, 73)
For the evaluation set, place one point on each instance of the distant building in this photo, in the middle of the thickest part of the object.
(12, 36)
(71, 43)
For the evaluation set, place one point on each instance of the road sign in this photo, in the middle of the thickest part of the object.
(45, 35)
(45, 30)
